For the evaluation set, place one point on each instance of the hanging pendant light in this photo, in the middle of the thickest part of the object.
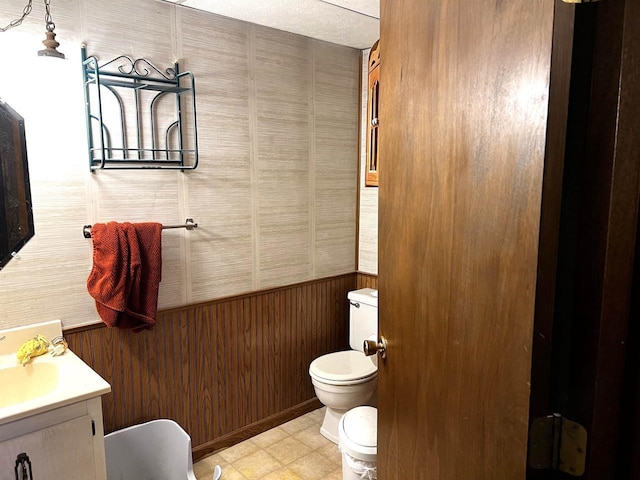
(50, 42)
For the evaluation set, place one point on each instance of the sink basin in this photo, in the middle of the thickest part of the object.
(21, 384)
(46, 382)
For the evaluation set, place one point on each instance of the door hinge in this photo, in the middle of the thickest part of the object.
(93, 428)
(559, 444)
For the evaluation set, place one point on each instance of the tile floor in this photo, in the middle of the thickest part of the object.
(292, 451)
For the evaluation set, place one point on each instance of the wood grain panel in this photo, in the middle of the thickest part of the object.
(464, 89)
(629, 440)
(224, 370)
(556, 149)
(367, 196)
(365, 280)
(607, 237)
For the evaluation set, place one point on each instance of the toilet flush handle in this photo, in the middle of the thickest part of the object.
(370, 347)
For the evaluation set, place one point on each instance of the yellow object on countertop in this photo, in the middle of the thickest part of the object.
(38, 345)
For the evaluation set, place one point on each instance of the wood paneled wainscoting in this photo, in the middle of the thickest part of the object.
(366, 280)
(225, 370)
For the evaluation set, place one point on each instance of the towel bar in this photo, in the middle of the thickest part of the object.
(189, 224)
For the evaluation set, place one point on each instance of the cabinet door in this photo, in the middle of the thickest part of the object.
(61, 451)
(373, 102)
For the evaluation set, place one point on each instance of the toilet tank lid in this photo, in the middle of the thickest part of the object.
(368, 296)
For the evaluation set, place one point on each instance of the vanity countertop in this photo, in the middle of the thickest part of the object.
(46, 382)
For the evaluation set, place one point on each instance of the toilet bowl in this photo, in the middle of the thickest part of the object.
(342, 381)
(347, 379)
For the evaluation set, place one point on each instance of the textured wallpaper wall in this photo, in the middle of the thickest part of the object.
(368, 218)
(275, 192)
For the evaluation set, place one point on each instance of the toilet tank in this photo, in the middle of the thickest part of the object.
(363, 316)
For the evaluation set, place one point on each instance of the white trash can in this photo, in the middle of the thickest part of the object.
(358, 442)
(156, 450)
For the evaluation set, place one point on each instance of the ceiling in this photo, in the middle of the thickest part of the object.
(354, 23)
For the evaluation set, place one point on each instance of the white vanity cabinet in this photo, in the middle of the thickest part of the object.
(50, 410)
(64, 443)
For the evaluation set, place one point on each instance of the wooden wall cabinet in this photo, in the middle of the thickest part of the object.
(373, 101)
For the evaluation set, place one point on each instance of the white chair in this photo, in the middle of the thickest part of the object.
(156, 450)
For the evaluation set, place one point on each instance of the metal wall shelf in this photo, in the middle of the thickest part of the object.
(135, 115)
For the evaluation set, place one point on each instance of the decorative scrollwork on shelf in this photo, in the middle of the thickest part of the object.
(139, 66)
(139, 116)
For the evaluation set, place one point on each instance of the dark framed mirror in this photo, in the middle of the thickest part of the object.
(16, 215)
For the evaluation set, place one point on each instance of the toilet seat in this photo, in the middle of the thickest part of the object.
(349, 367)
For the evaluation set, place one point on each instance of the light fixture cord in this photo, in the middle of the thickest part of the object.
(18, 21)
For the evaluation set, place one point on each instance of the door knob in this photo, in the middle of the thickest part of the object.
(370, 347)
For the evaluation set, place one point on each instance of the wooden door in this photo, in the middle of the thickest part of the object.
(465, 105)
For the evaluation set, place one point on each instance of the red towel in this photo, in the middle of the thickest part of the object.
(126, 273)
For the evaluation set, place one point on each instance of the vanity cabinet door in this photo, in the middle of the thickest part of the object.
(61, 451)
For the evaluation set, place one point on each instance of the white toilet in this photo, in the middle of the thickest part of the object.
(344, 380)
